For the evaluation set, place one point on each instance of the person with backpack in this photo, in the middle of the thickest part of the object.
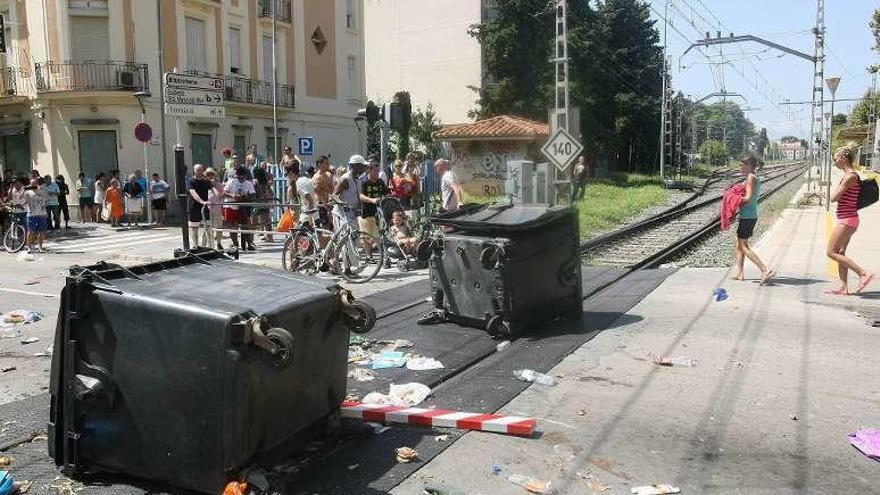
(847, 222)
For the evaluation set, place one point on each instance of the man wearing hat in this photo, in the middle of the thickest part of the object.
(347, 191)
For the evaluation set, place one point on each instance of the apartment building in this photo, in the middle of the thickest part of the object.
(423, 47)
(73, 68)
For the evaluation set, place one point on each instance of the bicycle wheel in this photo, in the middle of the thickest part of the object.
(300, 254)
(360, 257)
(14, 239)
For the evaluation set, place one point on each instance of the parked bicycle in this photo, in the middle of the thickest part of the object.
(354, 254)
(15, 236)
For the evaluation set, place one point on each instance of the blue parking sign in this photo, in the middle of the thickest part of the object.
(306, 146)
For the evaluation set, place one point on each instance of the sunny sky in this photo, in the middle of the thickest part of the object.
(766, 77)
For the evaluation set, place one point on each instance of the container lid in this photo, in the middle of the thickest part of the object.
(500, 219)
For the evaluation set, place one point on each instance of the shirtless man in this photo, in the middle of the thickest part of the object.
(324, 184)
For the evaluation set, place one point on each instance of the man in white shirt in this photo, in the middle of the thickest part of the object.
(450, 190)
(347, 191)
(238, 190)
(159, 191)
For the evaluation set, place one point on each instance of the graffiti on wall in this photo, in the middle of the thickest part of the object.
(482, 167)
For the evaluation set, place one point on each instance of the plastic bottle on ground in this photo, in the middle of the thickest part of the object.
(502, 345)
(533, 376)
(533, 485)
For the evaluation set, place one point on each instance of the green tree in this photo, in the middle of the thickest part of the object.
(516, 47)
(424, 124)
(861, 112)
(715, 153)
(403, 140)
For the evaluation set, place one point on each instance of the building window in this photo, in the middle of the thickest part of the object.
(196, 53)
(353, 80)
(235, 50)
(239, 145)
(89, 33)
(267, 58)
(270, 148)
(351, 15)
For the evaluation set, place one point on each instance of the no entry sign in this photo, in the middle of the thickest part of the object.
(143, 132)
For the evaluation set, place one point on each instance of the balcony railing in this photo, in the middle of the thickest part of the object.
(9, 77)
(243, 90)
(282, 9)
(91, 76)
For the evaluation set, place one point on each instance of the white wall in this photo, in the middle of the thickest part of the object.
(423, 47)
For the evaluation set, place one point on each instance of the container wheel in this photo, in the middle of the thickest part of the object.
(489, 257)
(498, 327)
(282, 355)
(360, 316)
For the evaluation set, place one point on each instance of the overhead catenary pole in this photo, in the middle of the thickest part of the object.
(663, 94)
(833, 82)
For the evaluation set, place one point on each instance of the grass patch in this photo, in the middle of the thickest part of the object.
(610, 201)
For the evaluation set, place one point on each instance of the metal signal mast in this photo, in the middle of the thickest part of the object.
(561, 62)
(817, 130)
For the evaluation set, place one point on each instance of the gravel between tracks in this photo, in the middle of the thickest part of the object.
(717, 251)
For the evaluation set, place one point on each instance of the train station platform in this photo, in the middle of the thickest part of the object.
(783, 374)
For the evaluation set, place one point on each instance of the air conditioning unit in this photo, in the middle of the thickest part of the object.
(529, 182)
(127, 79)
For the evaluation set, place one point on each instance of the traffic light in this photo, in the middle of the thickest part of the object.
(371, 112)
(398, 115)
(2, 34)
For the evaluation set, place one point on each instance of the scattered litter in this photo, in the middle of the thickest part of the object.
(867, 441)
(655, 490)
(503, 345)
(378, 428)
(719, 294)
(29, 340)
(535, 377)
(421, 363)
(793, 417)
(352, 398)
(388, 359)
(236, 488)
(5, 461)
(21, 487)
(496, 469)
(406, 454)
(582, 413)
(406, 395)
(8, 369)
(434, 488)
(564, 451)
(396, 344)
(532, 485)
(674, 361)
(361, 374)
(6, 483)
(20, 317)
(353, 467)
(64, 486)
(32, 282)
(596, 486)
(441, 438)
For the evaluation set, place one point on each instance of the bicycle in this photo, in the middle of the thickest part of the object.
(354, 254)
(15, 237)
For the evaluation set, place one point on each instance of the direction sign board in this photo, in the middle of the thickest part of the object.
(200, 111)
(194, 96)
(185, 96)
(306, 146)
(562, 149)
(175, 80)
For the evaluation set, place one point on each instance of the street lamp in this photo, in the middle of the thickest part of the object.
(833, 83)
(141, 95)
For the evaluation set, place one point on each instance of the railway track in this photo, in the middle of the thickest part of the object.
(654, 240)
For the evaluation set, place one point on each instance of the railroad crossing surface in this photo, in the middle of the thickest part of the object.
(783, 374)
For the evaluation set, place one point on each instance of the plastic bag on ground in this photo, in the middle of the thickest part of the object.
(406, 395)
(867, 441)
(655, 490)
(421, 363)
(361, 374)
(532, 485)
(388, 359)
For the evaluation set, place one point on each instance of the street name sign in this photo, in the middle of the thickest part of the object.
(183, 96)
(194, 96)
(561, 149)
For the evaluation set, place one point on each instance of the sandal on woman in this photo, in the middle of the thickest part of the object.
(868, 280)
(768, 275)
(837, 292)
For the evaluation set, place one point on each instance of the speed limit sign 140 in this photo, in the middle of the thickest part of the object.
(562, 149)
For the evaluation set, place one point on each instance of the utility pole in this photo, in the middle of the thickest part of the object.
(561, 85)
(816, 130)
(274, 8)
(663, 94)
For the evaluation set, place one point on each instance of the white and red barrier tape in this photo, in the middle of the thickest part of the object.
(511, 425)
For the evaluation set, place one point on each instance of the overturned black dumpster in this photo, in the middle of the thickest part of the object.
(192, 370)
(507, 268)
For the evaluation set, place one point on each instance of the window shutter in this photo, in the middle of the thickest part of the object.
(196, 57)
(90, 38)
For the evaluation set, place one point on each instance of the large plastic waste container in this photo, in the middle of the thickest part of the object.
(508, 268)
(190, 370)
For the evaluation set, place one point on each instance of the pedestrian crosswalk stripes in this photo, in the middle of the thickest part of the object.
(116, 242)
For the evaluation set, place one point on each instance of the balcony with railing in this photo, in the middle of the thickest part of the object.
(282, 9)
(257, 92)
(9, 82)
(91, 76)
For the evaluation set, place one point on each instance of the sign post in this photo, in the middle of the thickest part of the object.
(561, 149)
(144, 133)
(195, 97)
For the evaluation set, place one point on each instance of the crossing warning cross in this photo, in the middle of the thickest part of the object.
(562, 148)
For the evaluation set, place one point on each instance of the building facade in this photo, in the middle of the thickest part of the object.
(73, 67)
(792, 150)
(424, 47)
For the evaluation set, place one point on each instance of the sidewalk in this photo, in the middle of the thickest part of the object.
(784, 373)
